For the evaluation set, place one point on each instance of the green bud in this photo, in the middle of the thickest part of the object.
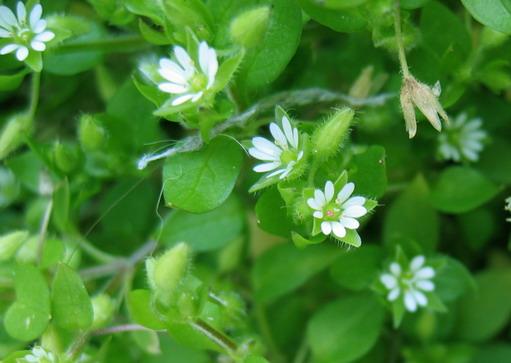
(248, 28)
(10, 242)
(66, 157)
(91, 133)
(165, 273)
(328, 137)
(16, 128)
(103, 307)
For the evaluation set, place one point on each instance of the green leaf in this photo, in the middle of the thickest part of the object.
(200, 181)
(486, 311)
(460, 189)
(71, 305)
(9, 82)
(493, 353)
(227, 70)
(368, 172)
(271, 213)
(272, 278)
(344, 21)
(141, 311)
(411, 216)
(452, 280)
(357, 269)
(264, 63)
(206, 231)
(27, 318)
(449, 48)
(495, 14)
(345, 329)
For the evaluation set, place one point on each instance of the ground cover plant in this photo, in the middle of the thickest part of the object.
(251, 181)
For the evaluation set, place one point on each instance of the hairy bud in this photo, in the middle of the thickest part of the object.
(328, 137)
(248, 28)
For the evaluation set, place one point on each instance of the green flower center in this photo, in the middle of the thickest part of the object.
(288, 155)
(199, 82)
(332, 212)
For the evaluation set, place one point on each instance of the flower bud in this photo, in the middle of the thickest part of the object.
(91, 134)
(10, 243)
(248, 28)
(14, 131)
(164, 273)
(103, 307)
(328, 137)
(66, 157)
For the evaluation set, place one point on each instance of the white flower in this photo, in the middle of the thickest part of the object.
(410, 283)
(23, 33)
(39, 355)
(508, 207)
(339, 214)
(281, 155)
(184, 79)
(461, 139)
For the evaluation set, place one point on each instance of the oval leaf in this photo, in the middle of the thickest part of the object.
(202, 180)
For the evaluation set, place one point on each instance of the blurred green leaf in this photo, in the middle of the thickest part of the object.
(367, 170)
(495, 14)
(345, 329)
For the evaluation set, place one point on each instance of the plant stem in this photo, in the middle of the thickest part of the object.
(34, 93)
(42, 230)
(285, 99)
(301, 354)
(93, 251)
(216, 337)
(399, 40)
(121, 329)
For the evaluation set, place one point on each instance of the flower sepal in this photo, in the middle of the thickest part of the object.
(302, 242)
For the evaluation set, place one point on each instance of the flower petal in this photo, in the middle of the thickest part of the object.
(263, 168)
(5, 33)
(266, 146)
(184, 60)
(212, 67)
(410, 303)
(258, 154)
(425, 285)
(388, 280)
(317, 214)
(350, 223)
(288, 130)
(345, 192)
(204, 57)
(21, 11)
(329, 191)
(38, 46)
(417, 263)
(35, 15)
(9, 48)
(313, 204)
(277, 172)
(419, 297)
(22, 53)
(182, 99)
(354, 211)
(45, 36)
(278, 135)
(7, 18)
(320, 198)
(395, 268)
(354, 201)
(425, 273)
(338, 229)
(172, 72)
(172, 88)
(326, 228)
(393, 294)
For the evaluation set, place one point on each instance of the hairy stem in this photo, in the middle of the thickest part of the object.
(216, 337)
(285, 99)
(399, 40)
(121, 43)
(42, 230)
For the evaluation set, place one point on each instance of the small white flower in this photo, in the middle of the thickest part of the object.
(508, 207)
(281, 155)
(410, 283)
(184, 79)
(39, 355)
(340, 213)
(23, 33)
(462, 139)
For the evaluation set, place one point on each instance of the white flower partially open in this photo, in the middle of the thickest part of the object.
(339, 214)
(462, 139)
(281, 155)
(184, 79)
(410, 283)
(23, 33)
(39, 355)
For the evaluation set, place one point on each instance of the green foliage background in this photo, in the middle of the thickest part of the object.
(79, 213)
